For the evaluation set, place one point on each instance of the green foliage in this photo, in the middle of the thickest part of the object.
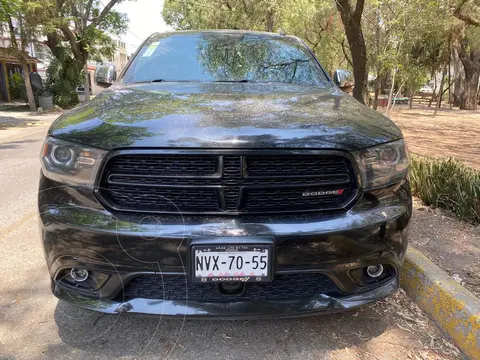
(315, 21)
(76, 31)
(17, 18)
(16, 87)
(63, 78)
(409, 38)
(448, 184)
(220, 14)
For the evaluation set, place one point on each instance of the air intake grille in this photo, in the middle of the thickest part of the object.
(227, 184)
(176, 287)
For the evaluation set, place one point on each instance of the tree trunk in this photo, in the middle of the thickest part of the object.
(396, 96)
(471, 66)
(458, 74)
(351, 19)
(378, 86)
(359, 56)
(86, 84)
(440, 93)
(434, 88)
(390, 94)
(28, 86)
(450, 79)
(378, 81)
(469, 98)
(410, 99)
(270, 20)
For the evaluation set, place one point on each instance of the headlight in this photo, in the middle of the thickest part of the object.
(383, 165)
(70, 163)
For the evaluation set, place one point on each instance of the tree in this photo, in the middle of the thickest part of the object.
(315, 21)
(78, 30)
(22, 30)
(223, 14)
(318, 23)
(468, 50)
(351, 19)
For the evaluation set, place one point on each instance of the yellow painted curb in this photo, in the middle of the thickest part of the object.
(455, 309)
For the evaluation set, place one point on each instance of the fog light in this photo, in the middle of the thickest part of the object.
(79, 275)
(375, 271)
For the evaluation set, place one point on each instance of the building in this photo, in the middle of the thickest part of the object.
(8, 66)
(120, 57)
(40, 57)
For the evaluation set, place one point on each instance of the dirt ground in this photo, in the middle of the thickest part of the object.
(452, 244)
(452, 132)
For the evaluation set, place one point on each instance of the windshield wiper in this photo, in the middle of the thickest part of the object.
(233, 81)
(157, 81)
(217, 81)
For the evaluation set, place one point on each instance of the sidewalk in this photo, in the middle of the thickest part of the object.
(451, 247)
(14, 119)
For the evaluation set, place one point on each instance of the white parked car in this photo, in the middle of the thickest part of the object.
(426, 89)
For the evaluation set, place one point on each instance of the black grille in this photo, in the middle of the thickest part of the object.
(283, 287)
(287, 165)
(271, 199)
(227, 184)
(165, 199)
(164, 165)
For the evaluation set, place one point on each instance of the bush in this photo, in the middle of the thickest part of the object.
(447, 184)
(63, 78)
(16, 87)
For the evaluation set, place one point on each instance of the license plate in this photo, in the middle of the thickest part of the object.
(245, 263)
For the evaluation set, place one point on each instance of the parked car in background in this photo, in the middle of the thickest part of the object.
(224, 174)
(426, 89)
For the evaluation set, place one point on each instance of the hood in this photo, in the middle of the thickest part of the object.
(224, 115)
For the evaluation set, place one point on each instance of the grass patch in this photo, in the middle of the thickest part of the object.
(14, 108)
(448, 184)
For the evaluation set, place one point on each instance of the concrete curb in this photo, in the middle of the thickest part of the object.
(455, 309)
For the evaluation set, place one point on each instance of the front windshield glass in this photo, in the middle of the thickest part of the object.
(225, 58)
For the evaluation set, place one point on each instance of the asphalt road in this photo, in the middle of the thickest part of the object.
(35, 325)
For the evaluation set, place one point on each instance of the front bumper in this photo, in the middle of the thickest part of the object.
(374, 231)
(321, 304)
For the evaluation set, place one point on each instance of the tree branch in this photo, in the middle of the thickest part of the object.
(245, 8)
(345, 53)
(103, 13)
(228, 5)
(464, 17)
(344, 7)
(87, 11)
(357, 15)
(72, 40)
(59, 4)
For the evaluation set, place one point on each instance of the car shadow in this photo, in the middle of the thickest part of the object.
(18, 144)
(128, 334)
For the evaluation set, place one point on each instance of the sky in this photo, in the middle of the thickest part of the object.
(145, 19)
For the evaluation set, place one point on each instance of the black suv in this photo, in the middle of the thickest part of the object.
(224, 174)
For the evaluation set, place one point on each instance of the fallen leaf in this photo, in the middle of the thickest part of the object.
(457, 278)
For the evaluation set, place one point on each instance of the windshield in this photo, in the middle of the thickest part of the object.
(225, 58)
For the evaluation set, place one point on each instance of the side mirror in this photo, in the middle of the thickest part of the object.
(344, 80)
(105, 75)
